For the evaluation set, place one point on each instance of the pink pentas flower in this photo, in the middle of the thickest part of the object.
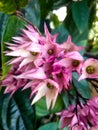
(89, 69)
(49, 89)
(70, 46)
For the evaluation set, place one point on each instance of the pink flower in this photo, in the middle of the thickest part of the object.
(89, 69)
(27, 48)
(11, 83)
(49, 89)
(48, 35)
(94, 128)
(36, 73)
(83, 117)
(70, 46)
(62, 76)
(72, 60)
(24, 56)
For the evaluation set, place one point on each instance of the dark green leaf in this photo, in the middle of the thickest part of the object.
(45, 7)
(80, 13)
(11, 29)
(62, 33)
(21, 3)
(49, 126)
(82, 86)
(16, 114)
(32, 12)
(60, 3)
(70, 25)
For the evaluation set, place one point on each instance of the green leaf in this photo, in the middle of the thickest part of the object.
(41, 108)
(62, 33)
(73, 30)
(16, 113)
(21, 3)
(32, 12)
(10, 6)
(11, 29)
(80, 13)
(49, 126)
(60, 3)
(82, 86)
(58, 106)
(45, 7)
(3, 19)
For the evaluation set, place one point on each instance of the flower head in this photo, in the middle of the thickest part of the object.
(49, 89)
(11, 83)
(81, 116)
(89, 69)
(69, 46)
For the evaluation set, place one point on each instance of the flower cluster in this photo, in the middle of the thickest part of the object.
(40, 63)
(81, 117)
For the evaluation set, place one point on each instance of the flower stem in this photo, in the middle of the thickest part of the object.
(20, 15)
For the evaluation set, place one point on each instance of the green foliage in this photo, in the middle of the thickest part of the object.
(62, 33)
(16, 114)
(49, 126)
(32, 12)
(80, 13)
(11, 29)
(82, 86)
(10, 6)
(41, 109)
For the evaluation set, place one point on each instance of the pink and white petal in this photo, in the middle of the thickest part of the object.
(83, 76)
(48, 100)
(34, 47)
(18, 39)
(29, 34)
(14, 60)
(41, 92)
(26, 61)
(94, 128)
(20, 52)
(74, 55)
(55, 98)
(34, 73)
(74, 120)
(66, 62)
